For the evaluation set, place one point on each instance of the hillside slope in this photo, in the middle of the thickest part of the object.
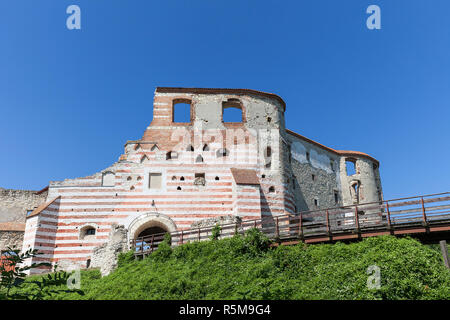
(245, 268)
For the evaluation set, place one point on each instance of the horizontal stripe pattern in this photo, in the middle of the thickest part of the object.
(56, 231)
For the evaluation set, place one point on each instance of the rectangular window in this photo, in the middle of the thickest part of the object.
(232, 111)
(181, 111)
(199, 179)
(154, 180)
(351, 167)
(336, 197)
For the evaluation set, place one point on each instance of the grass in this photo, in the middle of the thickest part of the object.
(247, 268)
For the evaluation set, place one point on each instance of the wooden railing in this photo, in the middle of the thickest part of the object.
(399, 216)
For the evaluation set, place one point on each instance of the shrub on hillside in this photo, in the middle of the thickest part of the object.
(245, 267)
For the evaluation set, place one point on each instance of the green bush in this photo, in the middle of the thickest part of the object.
(125, 258)
(215, 232)
(246, 267)
(255, 242)
(163, 252)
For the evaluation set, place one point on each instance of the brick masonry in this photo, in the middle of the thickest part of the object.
(179, 174)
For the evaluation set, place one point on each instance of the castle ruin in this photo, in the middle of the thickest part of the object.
(182, 173)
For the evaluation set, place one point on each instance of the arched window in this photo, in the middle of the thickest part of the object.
(181, 111)
(354, 190)
(199, 159)
(205, 147)
(87, 232)
(190, 148)
(222, 152)
(171, 155)
(232, 111)
(154, 148)
(272, 189)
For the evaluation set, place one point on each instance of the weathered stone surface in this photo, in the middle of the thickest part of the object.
(221, 220)
(12, 239)
(15, 203)
(13, 209)
(105, 256)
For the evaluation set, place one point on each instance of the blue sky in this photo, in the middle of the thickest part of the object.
(70, 99)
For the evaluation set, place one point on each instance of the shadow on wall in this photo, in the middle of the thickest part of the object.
(299, 198)
(267, 218)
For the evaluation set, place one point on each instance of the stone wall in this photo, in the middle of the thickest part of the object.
(316, 176)
(367, 180)
(12, 239)
(322, 188)
(105, 256)
(210, 222)
(15, 203)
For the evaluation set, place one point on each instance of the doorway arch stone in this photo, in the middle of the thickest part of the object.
(149, 220)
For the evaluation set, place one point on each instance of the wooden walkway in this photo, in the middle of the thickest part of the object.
(425, 217)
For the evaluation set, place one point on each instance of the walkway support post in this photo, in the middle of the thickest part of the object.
(444, 250)
(300, 225)
(328, 224)
(357, 219)
(425, 223)
(278, 230)
(388, 217)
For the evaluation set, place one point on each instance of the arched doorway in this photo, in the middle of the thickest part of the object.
(147, 230)
(148, 239)
(151, 231)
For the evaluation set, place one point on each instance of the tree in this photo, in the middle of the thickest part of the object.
(12, 276)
